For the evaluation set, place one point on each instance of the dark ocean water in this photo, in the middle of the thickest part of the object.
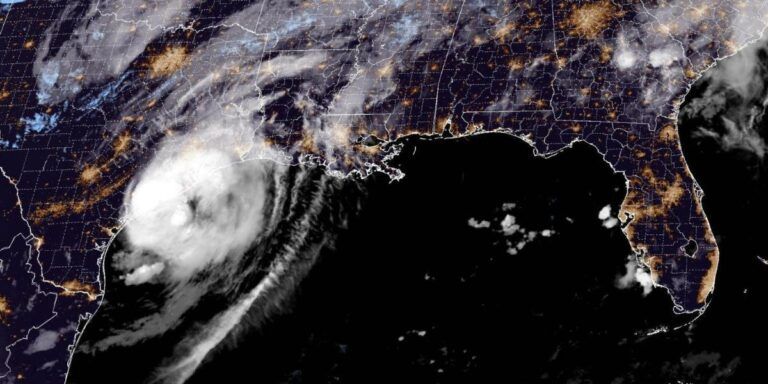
(736, 185)
(411, 292)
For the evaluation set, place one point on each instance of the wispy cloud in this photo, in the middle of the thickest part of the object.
(732, 105)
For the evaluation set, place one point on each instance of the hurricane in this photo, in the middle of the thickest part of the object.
(216, 235)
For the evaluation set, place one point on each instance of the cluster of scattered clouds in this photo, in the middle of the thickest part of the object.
(609, 221)
(516, 237)
(631, 54)
(636, 274)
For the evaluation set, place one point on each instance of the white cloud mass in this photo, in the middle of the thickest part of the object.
(197, 203)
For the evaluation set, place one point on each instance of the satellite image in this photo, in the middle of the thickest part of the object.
(374, 191)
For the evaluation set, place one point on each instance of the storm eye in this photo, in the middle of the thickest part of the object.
(193, 203)
(197, 214)
(230, 199)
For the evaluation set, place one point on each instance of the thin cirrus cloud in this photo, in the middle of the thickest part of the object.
(733, 103)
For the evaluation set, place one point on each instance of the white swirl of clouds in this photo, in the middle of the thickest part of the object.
(197, 203)
(189, 218)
